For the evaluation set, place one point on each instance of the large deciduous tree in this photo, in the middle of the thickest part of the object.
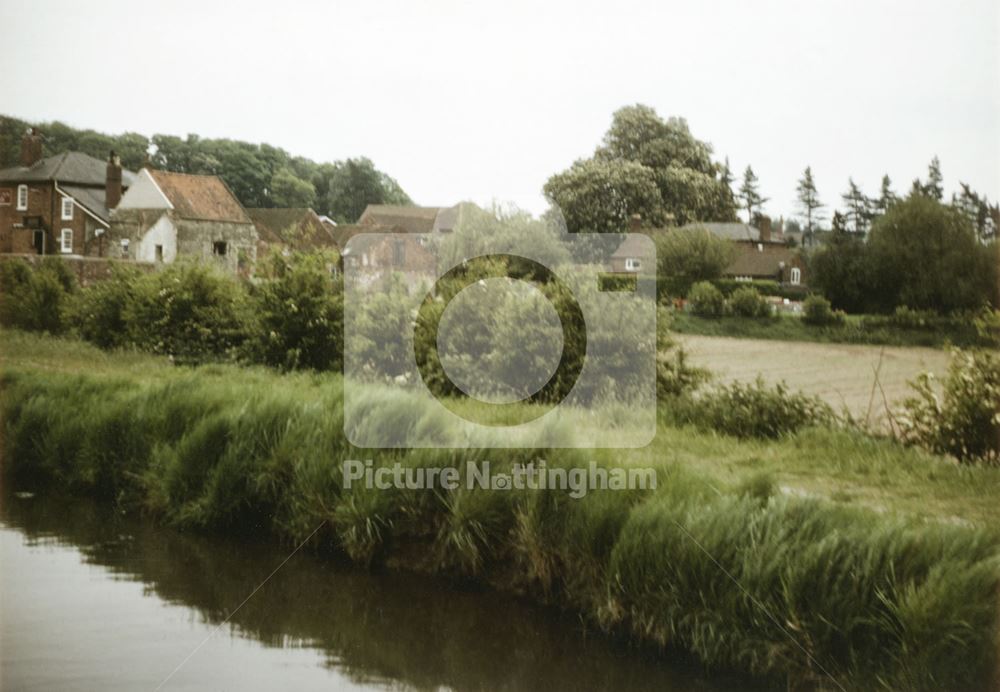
(600, 195)
(689, 186)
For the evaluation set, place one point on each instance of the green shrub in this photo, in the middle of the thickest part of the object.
(193, 313)
(300, 316)
(816, 311)
(747, 302)
(706, 300)
(965, 421)
(756, 410)
(97, 313)
(34, 298)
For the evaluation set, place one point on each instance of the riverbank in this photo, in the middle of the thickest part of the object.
(822, 559)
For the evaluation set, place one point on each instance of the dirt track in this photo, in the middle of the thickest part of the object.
(842, 374)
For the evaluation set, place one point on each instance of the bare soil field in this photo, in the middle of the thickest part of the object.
(841, 374)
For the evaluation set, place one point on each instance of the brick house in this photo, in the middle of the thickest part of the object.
(284, 231)
(60, 204)
(165, 216)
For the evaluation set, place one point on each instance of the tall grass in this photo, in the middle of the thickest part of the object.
(799, 590)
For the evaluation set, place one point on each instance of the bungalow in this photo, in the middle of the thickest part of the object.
(164, 216)
(60, 204)
(758, 256)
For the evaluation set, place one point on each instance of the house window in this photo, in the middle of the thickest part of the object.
(159, 253)
(22, 197)
(66, 240)
(632, 264)
(796, 276)
(219, 248)
(125, 247)
(67, 208)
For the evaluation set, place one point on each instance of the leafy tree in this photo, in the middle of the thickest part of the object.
(926, 255)
(750, 193)
(288, 190)
(858, 214)
(841, 270)
(809, 202)
(686, 256)
(600, 196)
(356, 183)
(691, 186)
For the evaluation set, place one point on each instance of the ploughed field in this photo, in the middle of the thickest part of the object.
(843, 375)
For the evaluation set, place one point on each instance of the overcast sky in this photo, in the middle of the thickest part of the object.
(485, 102)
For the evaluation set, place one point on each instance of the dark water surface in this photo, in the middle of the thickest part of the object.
(90, 600)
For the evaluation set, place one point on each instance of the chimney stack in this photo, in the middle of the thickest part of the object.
(635, 223)
(31, 148)
(765, 228)
(113, 182)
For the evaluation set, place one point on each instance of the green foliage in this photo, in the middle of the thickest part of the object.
(35, 298)
(756, 410)
(817, 311)
(648, 166)
(747, 302)
(97, 313)
(688, 256)
(299, 315)
(706, 300)
(842, 271)
(288, 190)
(599, 196)
(965, 420)
(354, 184)
(192, 313)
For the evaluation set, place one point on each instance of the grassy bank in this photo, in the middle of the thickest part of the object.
(821, 559)
(855, 330)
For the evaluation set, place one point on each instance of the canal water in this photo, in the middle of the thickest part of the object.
(92, 600)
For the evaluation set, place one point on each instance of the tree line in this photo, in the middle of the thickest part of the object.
(260, 175)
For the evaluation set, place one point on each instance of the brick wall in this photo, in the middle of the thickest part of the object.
(88, 270)
(45, 204)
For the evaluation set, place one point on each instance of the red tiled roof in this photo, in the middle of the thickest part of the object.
(203, 197)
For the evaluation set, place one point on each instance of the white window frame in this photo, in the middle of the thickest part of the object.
(22, 203)
(67, 203)
(632, 264)
(795, 276)
(64, 236)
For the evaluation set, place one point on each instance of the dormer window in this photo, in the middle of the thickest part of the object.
(632, 264)
(22, 197)
(67, 208)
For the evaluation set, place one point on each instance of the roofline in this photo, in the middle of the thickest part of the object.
(81, 205)
(170, 205)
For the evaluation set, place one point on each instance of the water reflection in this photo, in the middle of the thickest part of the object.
(386, 629)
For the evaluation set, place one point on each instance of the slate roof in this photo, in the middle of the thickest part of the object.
(67, 168)
(90, 197)
(728, 231)
(299, 228)
(200, 197)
